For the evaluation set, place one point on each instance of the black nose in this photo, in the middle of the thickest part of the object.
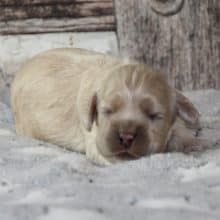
(126, 139)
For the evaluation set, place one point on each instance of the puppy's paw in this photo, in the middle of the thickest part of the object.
(189, 144)
(97, 158)
(199, 145)
(195, 146)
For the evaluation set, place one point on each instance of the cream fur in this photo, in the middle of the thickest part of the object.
(51, 97)
(59, 112)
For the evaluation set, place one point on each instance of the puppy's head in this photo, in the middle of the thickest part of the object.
(135, 109)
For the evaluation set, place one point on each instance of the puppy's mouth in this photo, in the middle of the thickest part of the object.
(123, 154)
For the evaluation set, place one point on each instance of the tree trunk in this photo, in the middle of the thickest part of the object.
(179, 37)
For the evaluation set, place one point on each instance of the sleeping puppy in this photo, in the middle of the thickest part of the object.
(102, 106)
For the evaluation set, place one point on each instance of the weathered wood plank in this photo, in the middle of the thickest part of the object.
(56, 11)
(32, 26)
(45, 2)
(181, 38)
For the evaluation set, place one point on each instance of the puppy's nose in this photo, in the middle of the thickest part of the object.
(126, 139)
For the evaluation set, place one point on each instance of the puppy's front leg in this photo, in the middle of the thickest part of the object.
(95, 157)
(92, 152)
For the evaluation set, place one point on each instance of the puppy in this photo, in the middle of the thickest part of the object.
(99, 105)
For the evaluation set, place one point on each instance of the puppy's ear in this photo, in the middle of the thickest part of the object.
(87, 108)
(185, 109)
(89, 112)
(92, 114)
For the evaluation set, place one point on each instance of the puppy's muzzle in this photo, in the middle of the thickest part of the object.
(129, 131)
(126, 139)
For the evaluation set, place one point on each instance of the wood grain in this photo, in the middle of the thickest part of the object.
(46, 16)
(33, 26)
(45, 2)
(184, 45)
(76, 10)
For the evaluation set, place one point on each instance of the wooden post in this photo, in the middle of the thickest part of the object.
(180, 37)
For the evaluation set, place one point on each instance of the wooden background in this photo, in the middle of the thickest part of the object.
(182, 38)
(179, 37)
(43, 16)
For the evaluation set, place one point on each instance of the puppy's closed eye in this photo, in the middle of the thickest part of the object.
(149, 109)
(155, 116)
(107, 111)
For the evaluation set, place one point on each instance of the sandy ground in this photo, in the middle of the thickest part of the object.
(39, 181)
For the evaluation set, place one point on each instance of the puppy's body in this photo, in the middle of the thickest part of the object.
(45, 93)
(55, 97)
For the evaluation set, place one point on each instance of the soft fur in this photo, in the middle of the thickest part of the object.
(100, 105)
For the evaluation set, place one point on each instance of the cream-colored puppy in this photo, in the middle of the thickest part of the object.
(97, 104)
